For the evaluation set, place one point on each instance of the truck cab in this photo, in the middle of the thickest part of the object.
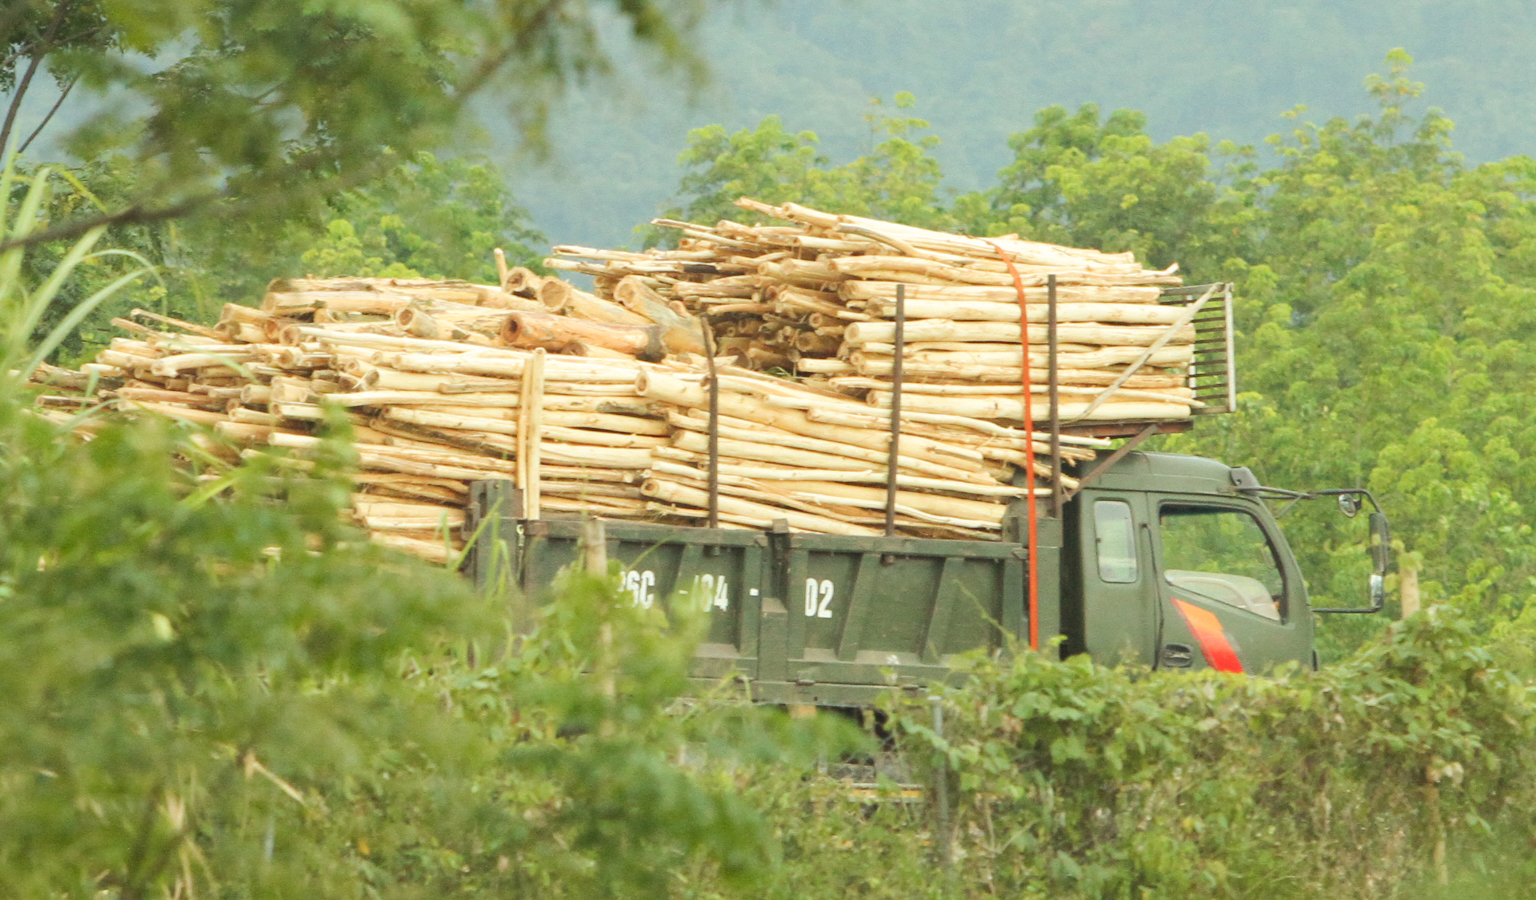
(1168, 563)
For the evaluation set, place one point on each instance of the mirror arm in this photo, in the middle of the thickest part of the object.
(1378, 600)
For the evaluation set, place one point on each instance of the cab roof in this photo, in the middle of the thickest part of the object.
(1142, 471)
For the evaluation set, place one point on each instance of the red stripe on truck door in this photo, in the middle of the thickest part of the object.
(1206, 628)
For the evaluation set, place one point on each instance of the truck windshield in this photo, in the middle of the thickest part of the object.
(1221, 554)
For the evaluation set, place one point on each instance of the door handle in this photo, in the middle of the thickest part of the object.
(1177, 656)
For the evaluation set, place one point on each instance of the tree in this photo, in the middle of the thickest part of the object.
(1084, 182)
(1386, 312)
(424, 217)
(267, 106)
(37, 35)
(430, 218)
(898, 180)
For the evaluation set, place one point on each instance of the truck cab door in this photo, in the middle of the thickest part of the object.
(1114, 616)
(1230, 597)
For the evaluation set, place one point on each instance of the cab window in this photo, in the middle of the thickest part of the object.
(1221, 554)
(1115, 541)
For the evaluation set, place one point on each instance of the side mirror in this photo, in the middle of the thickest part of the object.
(1349, 505)
(1381, 560)
(1381, 543)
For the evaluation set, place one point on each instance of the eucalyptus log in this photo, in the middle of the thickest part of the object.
(673, 492)
(682, 333)
(522, 281)
(564, 297)
(1012, 409)
(550, 332)
(977, 311)
(885, 291)
(944, 330)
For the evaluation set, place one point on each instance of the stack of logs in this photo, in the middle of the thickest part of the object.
(589, 404)
(818, 298)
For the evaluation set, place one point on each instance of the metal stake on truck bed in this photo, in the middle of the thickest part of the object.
(891, 464)
(1055, 395)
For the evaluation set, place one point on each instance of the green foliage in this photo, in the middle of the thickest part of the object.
(1079, 781)
(423, 218)
(43, 298)
(590, 733)
(266, 107)
(1386, 324)
(428, 218)
(242, 697)
(186, 678)
(898, 180)
(1078, 181)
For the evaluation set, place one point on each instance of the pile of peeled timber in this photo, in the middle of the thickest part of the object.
(818, 297)
(599, 402)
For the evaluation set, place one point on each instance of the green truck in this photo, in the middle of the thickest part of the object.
(1167, 561)
(1161, 560)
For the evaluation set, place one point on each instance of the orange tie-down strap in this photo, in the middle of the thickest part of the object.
(1213, 640)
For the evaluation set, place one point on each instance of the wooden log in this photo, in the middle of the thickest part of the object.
(792, 445)
(901, 268)
(411, 490)
(564, 297)
(944, 330)
(815, 365)
(374, 378)
(975, 364)
(602, 508)
(766, 493)
(229, 356)
(405, 525)
(604, 490)
(533, 400)
(978, 512)
(245, 315)
(882, 398)
(523, 282)
(432, 551)
(975, 311)
(184, 413)
(673, 492)
(666, 388)
(422, 398)
(451, 321)
(799, 472)
(805, 273)
(772, 453)
(588, 351)
(587, 474)
(371, 302)
(1012, 409)
(374, 506)
(449, 291)
(550, 332)
(1088, 377)
(504, 420)
(682, 333)
(199, 401)
(862, 290)
(914, 236)
(368, 479)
